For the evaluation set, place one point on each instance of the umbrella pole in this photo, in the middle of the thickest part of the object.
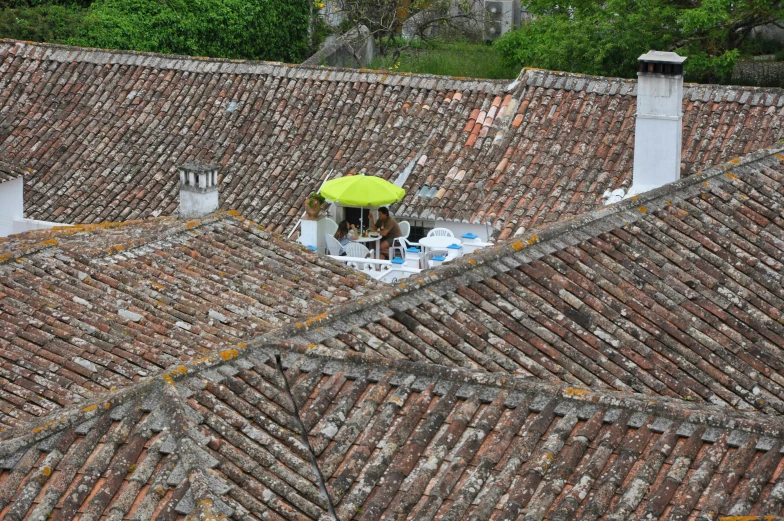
(361, 221)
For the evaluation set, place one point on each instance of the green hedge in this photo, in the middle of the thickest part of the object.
(45, 23)
(248, 29)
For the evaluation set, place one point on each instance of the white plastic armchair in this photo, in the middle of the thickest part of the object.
(331, 227)
(401, 243)
(405, 229)
(440, 232)
(354, 249)
(333, 245)
(398, 248)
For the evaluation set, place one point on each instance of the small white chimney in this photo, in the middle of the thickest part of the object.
(198, 190)
(657, 137)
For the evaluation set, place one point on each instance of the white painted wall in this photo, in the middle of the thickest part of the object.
(26, 225)
(312, 232)
(12, 210)
(11, 205)
(658, 132)
(195, 204)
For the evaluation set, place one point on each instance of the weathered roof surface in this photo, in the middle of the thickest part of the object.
(9, 172)
(105, 130)
(88, 308)
(391, 440)
(676, 293)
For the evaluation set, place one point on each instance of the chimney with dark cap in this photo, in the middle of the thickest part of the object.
(198, 190)
(657, 137)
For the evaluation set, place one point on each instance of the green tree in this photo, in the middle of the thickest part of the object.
(249, 29)
(41, 23)
(606, 38)
(418, 21)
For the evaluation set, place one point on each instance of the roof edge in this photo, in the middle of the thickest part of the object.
(683, 411)
(50, 237)
(66, 53)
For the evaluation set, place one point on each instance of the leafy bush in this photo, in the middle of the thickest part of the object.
(606, 38)
(46, 23)
(250, 29)
(590, 37)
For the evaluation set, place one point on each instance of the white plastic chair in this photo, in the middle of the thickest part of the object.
(427, 259)
(440, 232)
(398, 248)
(355, 249)
(401, 243)
(333, 245)
(330, 226)
(405, 229)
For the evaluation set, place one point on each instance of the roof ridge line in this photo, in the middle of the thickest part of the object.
(536, 243)
(68, 53)
(528, 76)
(51, 237)
(11, 440)
(681, 410)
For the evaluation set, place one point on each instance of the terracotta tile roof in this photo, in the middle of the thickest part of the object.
(85, 309)
(390, 440)
(676, 293)
(9, 172)
(105, 130)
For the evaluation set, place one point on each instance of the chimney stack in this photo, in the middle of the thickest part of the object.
(657, 137)
(198, 190)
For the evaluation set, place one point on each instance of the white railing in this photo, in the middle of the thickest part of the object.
(378, 269)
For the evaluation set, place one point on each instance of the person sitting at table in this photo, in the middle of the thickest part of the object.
(342, 235)
(387, 226)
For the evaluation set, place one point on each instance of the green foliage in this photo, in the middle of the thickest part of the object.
(250, 29)
(387, 20)
(451, 59)
(24, 4)
(606, 38)
(46, 23)
(589, 37)
(316, 198)
(758, 45)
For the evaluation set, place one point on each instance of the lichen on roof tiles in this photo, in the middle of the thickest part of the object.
(9, 172)
(116, 135)
(621, 363)
(89, 308)
(675, 293)
(390, 438)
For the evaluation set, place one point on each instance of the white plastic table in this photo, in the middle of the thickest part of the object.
(377, 240)
(437, 242)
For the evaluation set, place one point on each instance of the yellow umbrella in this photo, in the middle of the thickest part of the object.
(362, 190)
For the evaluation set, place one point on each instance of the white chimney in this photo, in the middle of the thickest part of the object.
(198, 190)
(657, 138)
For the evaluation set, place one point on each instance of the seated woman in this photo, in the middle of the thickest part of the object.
(342, 235)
